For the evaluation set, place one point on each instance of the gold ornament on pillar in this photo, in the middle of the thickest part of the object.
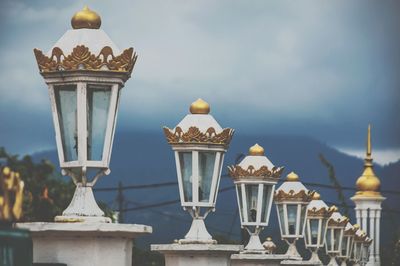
(368, 184)
(11, 195)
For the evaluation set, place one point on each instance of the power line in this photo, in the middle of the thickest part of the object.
(154, 185)
(173, 183)
(178, 218)
(170, 202)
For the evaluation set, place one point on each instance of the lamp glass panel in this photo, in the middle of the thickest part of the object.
(314, 226)
(66, 102)
(324, 223)
(206, 170)
(98, 104)
(329, 239)
(302, 218)
(240, 200)
(267, 191)
(292, 218)
(185, 162)
(345, 246)
(337, 234)
(282, 218)
(252, 200)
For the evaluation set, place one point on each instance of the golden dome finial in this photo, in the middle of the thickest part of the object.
(316, 196)
(200, 107)
(256, 150)
(368, 184)
(86, 19)
(292, 177)
(333, 208)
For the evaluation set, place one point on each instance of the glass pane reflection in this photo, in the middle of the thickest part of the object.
(66, 103)
(98, 103)
(185, 161)
(251, 198)
(206, 170)
(292, 217)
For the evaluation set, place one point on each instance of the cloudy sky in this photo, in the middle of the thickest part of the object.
(319, 68)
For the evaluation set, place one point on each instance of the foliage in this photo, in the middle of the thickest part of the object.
(146, 258)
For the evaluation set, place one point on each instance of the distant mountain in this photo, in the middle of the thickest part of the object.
(144, 158)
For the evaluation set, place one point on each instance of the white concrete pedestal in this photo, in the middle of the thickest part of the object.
(84, 244)
(244, 259)
(197, 254)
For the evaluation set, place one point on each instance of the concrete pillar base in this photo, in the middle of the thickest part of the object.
(244, 259)
(197, 254)
(84, 244)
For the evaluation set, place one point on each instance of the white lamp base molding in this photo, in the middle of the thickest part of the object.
(198, 234)
(83, 208)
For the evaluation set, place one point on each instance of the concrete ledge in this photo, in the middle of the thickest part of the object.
(197, 254)
(168, 248)
(83, 243)
(86, 229)
(244, 259)
(299, 262)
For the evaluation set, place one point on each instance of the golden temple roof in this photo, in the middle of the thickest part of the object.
(368, 184)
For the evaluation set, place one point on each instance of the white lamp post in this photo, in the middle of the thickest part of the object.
(85, 73)
(255, 178)
(291, 200)
(334, 234)
(316, 226)
(347, 244)
(199, 144)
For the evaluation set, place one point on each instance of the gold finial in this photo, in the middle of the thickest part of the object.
(316, 196)
(368, 184)
(256, 150)
(356, 226)
(200, 107)
(86, 19)
(333, 208)
(292, 177)
(269, 238)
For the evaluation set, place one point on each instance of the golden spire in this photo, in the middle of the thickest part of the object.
(368, 184)
(256, 150)
(200, 107)
(86, 19)
(292, 177)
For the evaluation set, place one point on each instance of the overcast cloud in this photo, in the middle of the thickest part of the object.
(320, 68)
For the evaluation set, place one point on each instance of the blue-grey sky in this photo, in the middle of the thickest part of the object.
(320, 68)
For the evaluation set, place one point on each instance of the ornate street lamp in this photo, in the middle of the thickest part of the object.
(359, 238)
(85, 73)
(347, 244)
(255, 178)
(199, 144)
(318, 214)
(334, 234)
(291, 200)
(365, 251)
